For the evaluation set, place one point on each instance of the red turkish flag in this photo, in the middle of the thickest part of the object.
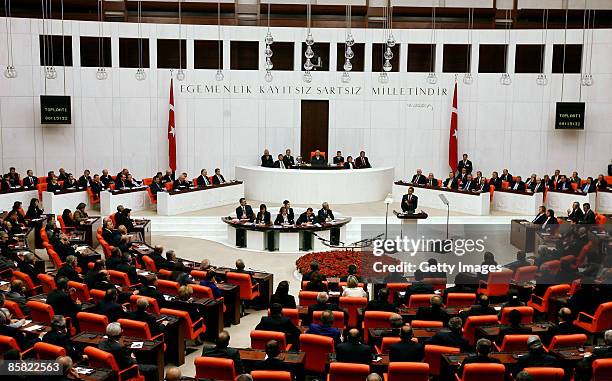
(171, 131)
(452, 138)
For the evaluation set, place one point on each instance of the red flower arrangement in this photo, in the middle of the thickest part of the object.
(335, 263)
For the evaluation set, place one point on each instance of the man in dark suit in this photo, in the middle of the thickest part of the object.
(283, 217)
(272, 362)
(14, 177)
(454, 338)
(563, 184)
(431, 181)
(483, 348)
(353, 351)
(325, 213)
(482, 185)
(584, 369)
(434, 312)
(406, 350)
(574, 179)
(203, 180)
(314, 267)
(307, 217)
(244, 211)
(556, 177)
(451, 182)
(465, 163)
(27, 267)
(157, 186)
(110, 235)
(519, 184)
(288, 159)
(350, 163)
(223, 350)
(181, 183)
(157, 257)
(218, 177)
(68, 270)
(141, 314)
(521, 261)
(588, 187)
(362, 161)
(575, 214)
(469, 184)
(506, 176)
(536, 357)
(409, 201)
(85, 179)
(120, 181)
(59, 335)
(17, 294)
(495, 180)
(109, 306)
(589, 216)
(514, 326)
(322, 304)
(601, 183)
(418, 286)
(122, 354)
(418, 178)
(481, 308)
(338, 159)
(565, 326)
(381, 303)
(462, 175)
(538, 186)
(318, 160)
(61, 301)
(266, 159)
(30, 181)
(279, 323)
(149, 288)
(280, 163)
(123, 218)
(97, 186)
(106, 178)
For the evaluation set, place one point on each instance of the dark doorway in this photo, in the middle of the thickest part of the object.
(315, 128)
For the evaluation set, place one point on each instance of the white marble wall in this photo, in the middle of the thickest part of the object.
(122, 122)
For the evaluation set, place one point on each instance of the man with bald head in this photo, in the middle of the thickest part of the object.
(223, 350)
(433, 312)
(318, 160)
(373, 377)
(418, 178)
(565, 325)
(157, 257)
(406, 350)
(173, 374)
(141, 314)
(353, 350)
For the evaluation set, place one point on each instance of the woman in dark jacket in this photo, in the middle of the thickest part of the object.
(67, 217)
(282, 297)
(34, 210)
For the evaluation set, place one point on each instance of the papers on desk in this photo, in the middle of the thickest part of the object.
(27, 322)
(137, 345)
(497, 308)
(143, 273)
(142, 247)
(168, 297)
(33, 328)
(3, 283)
(80, 249)
(81, 370)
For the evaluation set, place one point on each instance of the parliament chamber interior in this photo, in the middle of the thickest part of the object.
(275, 190)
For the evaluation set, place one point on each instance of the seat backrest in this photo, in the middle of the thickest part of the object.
(460, 299)
(526, 314)
(525, 274)
(46, 351)
(97, 295)
(271, 375)
(119, 277)
(603, 316)
(473, 322)
(602, 370)
(259, 339)
(47, 281)
(184, 315)
(198, 275)
(483, 372)
(339, 371)
(375, 319)
(553, 291)
(515, 343)
(433, 356)
(40, 312)
(243, 281)
(420, 300)
(82, 291)
(551, 266)
(387, 342)
(307, 298)
(338, 318)
(14, 309)
(25, 278)
(202, 291)
(413, 371)
(149, 263)
(352, 304)
(135, 328)
(546, 373)
(8, 343)
(498, 283)
(100, 359)
(317, 349)
(426, 324)
(168, 287)
(291, 313)
(215, 368)
(92, 322)
(394, 288)
(153, 306)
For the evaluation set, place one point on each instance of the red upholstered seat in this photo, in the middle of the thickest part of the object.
(546, 373)
(339, 371)
(215, 368)
(483, 372)
(98, 358)
(317, 349)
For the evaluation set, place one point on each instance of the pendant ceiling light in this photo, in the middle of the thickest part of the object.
(348, 48)
(269, 40)
(101, 73)
(587, 77)
(141, 75)
(432, 79)
(505, 77)
(542, 80)
(50, 72)
(10, 72)
(180, 74)
(467, 77)
(219, 76)
(309, 53)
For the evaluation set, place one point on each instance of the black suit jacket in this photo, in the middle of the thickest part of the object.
(353, 353)
(564, 186)
(419, 179)
(273, 363)
(62, 304)
(263, 218)
(112, 237)
(84, 181)
(106, 180)
(349, 165)
(154, 327)
(280, 324)
(267, 161)
(178, 184)
(30, 270)
(450, 339)
(497, 183)
(406, 351)
(218, 179)
(112, 310)
(323, 214)
(68, 272)
(563, 328)
(539, 219)
(377, 305)
(62, 340)
(249, 212)
(280, 220)
(588, 218)
(120, 352)
(454, 183)
(152, 292)
(30, 182)
(432, 314)
(469, 185)
(477, 359)
(537, 188)
(576, 215)
(409, 205)
(122, 219)
(203, 181)
(158, 187)
(289, 161)
(318, 161)
(536, 359)
(96, 188)
(53, 187)
(362, 162)
(226, 353)
(518, 186)
(303, 218)
(432, 182)
(467, 165)
(338, 160)
(507, 178)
